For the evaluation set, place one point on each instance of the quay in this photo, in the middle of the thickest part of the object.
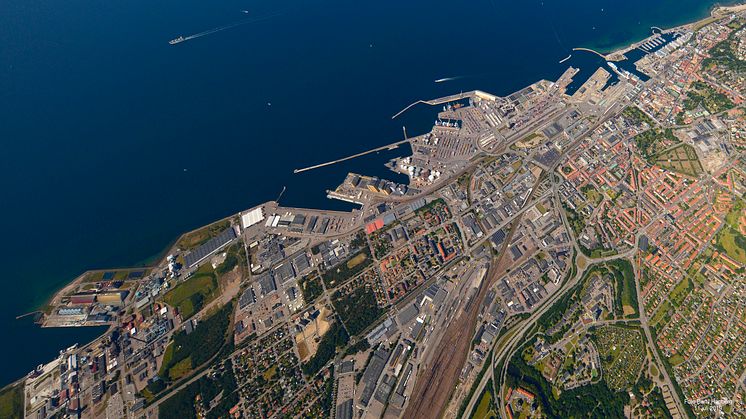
(329, 163)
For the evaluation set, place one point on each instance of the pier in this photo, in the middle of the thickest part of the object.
(442, 100)
(590, 50)
(27, 314)
(382, 148)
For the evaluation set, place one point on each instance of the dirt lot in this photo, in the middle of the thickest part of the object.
(307, 339)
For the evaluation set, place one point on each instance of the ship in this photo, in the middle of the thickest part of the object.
(177, 40)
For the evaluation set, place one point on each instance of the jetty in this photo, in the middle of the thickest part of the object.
(27, 314)
(329, 163)
(446, 99)
(590, 50)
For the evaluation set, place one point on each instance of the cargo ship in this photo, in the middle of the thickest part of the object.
(177, 40)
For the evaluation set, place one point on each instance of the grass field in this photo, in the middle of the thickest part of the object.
(346, 270)
(682, 159)
(626, 294)
(676, 360)
(203, 283)
(356, 260)
(659, 315)
(592, 195)
(680, 291)
(484, 409)
(730, 239)
(180, 369)
(198, 237)
(271, 372)
(167, 356)
(702, 23)
(654, 370)
(11, 402)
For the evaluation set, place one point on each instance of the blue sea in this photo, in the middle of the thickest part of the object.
(114, 142)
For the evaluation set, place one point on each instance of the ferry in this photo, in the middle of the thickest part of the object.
(177, 40)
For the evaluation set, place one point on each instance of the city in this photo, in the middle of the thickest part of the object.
(553, 254)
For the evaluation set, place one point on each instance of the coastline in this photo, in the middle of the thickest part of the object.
(159, 257)
(155, 260)
(711, 13)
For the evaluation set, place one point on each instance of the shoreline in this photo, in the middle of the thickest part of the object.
(156, 259)
(737, 5)
(715, 12)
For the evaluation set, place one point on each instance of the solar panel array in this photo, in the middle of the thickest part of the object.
(205, 250)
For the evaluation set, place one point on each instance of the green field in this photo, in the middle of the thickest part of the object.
(180, 369)
(592, 194)
(346, 270)
(660, 314)
(11, 402)
(191, 295)
(485, 409)
(681, 159)
(680, 291)
(356, 260)
(675, 360)
(730, 240)
(167, 359)
(197, 237)
(626, 293)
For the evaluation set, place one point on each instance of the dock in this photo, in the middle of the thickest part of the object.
(329, 163)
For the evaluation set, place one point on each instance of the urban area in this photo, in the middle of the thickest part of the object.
(553, 254)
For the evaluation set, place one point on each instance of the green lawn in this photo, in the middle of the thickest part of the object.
(676, 360)
(680, 291)
(167, 357)
(11, 402)
(626, 294)
(484, 409)
(730, 239)
(195, 238)
(682, 159)
(660, 314)
(189, 296)
(180, 369)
